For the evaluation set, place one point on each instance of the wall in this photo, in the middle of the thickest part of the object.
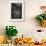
(29, 24)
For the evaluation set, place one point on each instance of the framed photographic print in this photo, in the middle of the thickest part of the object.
(16, 10)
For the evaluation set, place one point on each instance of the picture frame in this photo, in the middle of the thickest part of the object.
(16, 11)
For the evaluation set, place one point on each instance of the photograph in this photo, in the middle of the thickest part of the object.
(17, 11)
